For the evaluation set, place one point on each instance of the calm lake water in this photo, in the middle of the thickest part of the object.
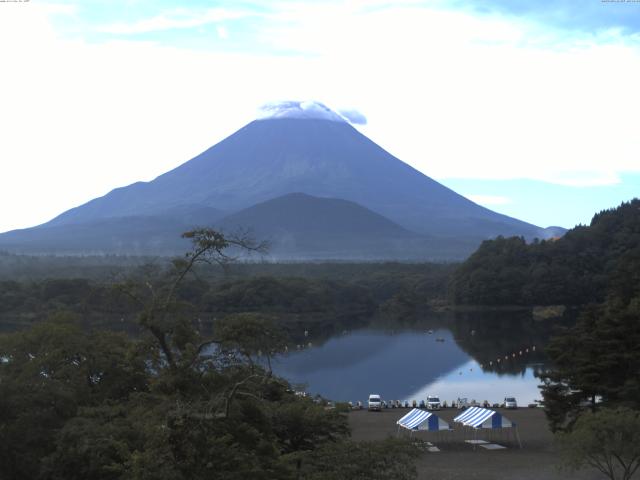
(407, 363)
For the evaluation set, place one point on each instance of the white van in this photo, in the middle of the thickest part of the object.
(433, 402)
(375, 402)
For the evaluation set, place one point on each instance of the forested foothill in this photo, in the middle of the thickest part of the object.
(575, 269)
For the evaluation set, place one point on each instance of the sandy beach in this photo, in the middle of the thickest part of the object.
(459, 460)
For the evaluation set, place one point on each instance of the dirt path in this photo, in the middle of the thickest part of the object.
(457, 460)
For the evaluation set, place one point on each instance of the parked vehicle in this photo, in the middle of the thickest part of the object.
(375, 402)
(433, 403)
(510, 402)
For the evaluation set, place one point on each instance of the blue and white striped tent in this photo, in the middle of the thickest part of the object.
(478, 417)
(418, 419)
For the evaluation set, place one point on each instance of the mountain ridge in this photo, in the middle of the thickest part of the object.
(297, 152)
(269, 158)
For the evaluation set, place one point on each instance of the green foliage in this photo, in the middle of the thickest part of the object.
(173, 403)
(598, 356)
(98, 444)
(47, 375)
(359, 461)
(333, 294)
(78, 405)
(303, 424)
(291, 295)
(573, 270)
(252, 335)
(608, 440)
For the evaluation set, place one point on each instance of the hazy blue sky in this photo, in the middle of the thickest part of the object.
(527, 107)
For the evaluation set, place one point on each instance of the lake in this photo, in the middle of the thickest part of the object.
(462, 356)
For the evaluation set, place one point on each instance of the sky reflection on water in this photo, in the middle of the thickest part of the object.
(471, 382)
(404, 365)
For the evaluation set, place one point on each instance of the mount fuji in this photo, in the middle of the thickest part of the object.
(351, 199)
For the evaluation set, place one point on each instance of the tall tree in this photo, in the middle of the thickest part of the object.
(608, 440)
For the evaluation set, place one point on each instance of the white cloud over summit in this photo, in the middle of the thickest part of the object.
(354, 116)
(298, 109)
(309, 109)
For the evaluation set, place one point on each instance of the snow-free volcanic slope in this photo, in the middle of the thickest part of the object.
(305, 147)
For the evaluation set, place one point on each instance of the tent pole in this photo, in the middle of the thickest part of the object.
(518, 437)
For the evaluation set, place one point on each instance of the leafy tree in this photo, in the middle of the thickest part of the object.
(573, 270)
(175, 403)
(598, 357)
(252, 335)
(98, 443)
(303, 424)
(180, 345)
(359, 461)
(46, 375)
(608, 440)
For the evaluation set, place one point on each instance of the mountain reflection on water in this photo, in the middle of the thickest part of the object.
(444, 356)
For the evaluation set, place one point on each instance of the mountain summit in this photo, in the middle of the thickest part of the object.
(307, 148)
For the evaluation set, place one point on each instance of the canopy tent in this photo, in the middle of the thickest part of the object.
(480, 418)
(467, 413)
(418, 419)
